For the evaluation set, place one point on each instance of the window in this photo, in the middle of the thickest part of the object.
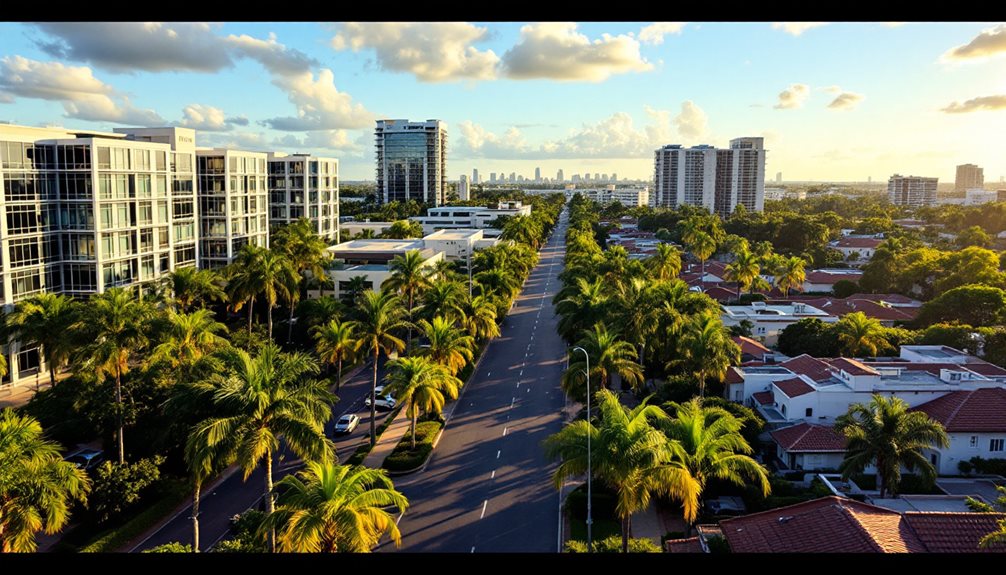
(146, 213)
(184, 208)
(22, 220)
(24, 252)
(143, 186)
(78, 247)
(185, 255)
(79, 277)
(28, 362)
(996, 444)
(25, 283)
(809, 412)
(147, 241)
(973, 443)
(784, 409)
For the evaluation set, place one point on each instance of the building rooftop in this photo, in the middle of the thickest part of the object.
(954, 532)
(750, 346)
(848, 242)
(806, 437)
(832, 276)
(944, 503)
(794, 387)
(459, 235)
(812, 367)
(763, 311)
(979, 410)
(764, 397)
(853, 367)
(377, 245)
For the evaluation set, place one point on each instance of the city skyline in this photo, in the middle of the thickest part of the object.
(929, 102)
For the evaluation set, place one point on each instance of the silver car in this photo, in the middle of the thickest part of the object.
(347, 423)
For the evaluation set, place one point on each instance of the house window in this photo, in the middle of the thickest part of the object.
(760, 330)
(996, 444)
(784, 409)
(809, 412)
(973, 443)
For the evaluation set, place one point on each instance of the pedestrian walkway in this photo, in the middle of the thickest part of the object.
(388, 440)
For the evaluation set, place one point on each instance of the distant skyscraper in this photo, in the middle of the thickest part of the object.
(492, 177)
(575, 179)
(869, 179)
(537, 174)
(912, 190)
(717, 179)
(463, 190)
(969, 176)
(558, 176)
(614, 177)
(513, 177)
(778, 177)
(475, 176)
(604, 177)
(597, 176)
(586, 177)
(411, 160)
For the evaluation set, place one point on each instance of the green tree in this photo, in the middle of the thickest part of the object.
(191, 285)
(355, 288)
(665, 264)
(976, 305)
(973, 236)
(860, 336)
(884, 433)
(306, 250)
(403, 229)
(585, 305)
(335, 342)
(36, 486)
(523, 229)
(743, 270)
(701, 245)
(380, 316)
(410, 277)
(790, 274)
(263, 400)
(628, 454)
(608, 356)
(114, 324)
(449, 346)
(478, 317)
(244, 280)
(203, 462)
(809, 336)
(320, 311)
(706, 349)
(279, 280)
(422, 384)
(190, 337)
(443, 298)
(44, 320)
(707, 443)
(328, 508)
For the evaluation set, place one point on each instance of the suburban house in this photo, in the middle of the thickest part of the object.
(769, 320)
(715, 274)
(809, 446)
(824, 280)
(975, 421)
(857, 248)
(752, 350)
(888, 309)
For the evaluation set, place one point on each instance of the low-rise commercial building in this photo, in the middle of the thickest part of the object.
(468, 217)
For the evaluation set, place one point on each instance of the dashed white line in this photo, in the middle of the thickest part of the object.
(504, 431)
(484, 504)
(512, 402)
(493, 476)
(473, 549)
(498, 451)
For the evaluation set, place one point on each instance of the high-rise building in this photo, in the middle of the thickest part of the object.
(475, 176)
(233, 205)
(778, 177)
(614, 177)
(912, 190)
(513, 177)
(604, 177)
(586, 176)
(305, 186)
(492, 177)
(537, 174)
(717, 179)
(463, 193)
(558, 176)
(969, 176)
(597, 177)
(411, 161)
(575, 179)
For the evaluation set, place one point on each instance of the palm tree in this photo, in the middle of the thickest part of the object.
(666, 263)
(586, 304)
(706, 348)
(608, 355)
(189, 285)
(114, 324)
(36, 485)
(636, 312)
(422, 384)
(523, 229)
(628, 454)
(244, 279)
(190, 337)
(884, 433)
(328, 508)
(44, 320)
(355, 288)
(335, 342)
(445, 270)
(305, 249)
(860, 336)
(497, 282)
(380, 315)
(707, 442)
(790, 274)
(278, 280)
(409, 277)
(743, 270)
(702, 245)
(449, 346)
(443, 298)
(263, 400)
(320, 311)
(478, 317)
(996, 538)
(203, 462)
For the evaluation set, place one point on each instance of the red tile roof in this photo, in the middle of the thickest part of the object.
(794, 387)
(690, 545)
(982, 410)
(764, 397)
(839, 307)
(750, 346)
(812, 367)
(985, 368)
(955, 532)
(819, 277)
(888, 297)
(853, 367)
(809, 438)
(827, 525)
(858, 242)
(719, 293)
(733, 376)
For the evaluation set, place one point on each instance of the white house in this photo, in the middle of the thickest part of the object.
(770, 320)
(824, 280)
(809, 447)
(975, 421)
(978, 196)
(862, 247)
(458, 244)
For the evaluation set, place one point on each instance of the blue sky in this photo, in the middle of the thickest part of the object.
(841, 101)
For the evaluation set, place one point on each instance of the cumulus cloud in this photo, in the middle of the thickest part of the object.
(274, 56)
(130, 46)
(691, 122)
(793, 97)
(990, 42)
(981, 103)
(431, 51)
(556, 51)
(320, 106)
(796, 28)
(654, 33)
(323, 139)
(846, 101)
(209, 119)
(82, 95)
(240, 140)
(237, 120)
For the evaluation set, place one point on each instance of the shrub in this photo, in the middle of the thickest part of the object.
(404, 458)
(844, 288)
(989, 466)
(602, 503)
(613, 544)
(915, 484)
(117, 488)
(718, 544)
(965, 467)
(794, 475)
(173, 547)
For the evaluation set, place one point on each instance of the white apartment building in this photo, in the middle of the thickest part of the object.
(458, 244)
(411, 161)
(463, 189)
(978, 196)
(714, 178)
(304, 186)
(770, 319)
(233, 205)
(912, 190)
(468, 217)
(780, 194)
(630, 197)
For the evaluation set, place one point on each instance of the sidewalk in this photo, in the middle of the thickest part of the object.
(388, 440)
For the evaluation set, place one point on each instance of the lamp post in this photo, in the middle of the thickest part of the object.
(469, 271)
(590, 540)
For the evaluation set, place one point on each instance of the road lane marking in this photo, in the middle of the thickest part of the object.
(512, 402)
(498, 453)
(493, 476)
(504, 431)
(484, 503)
(473, 549)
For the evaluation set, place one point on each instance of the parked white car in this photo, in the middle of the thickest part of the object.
(347, 423)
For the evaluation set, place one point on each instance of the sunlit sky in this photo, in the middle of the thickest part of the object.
(840, 101)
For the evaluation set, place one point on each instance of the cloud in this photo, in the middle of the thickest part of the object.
(892, 24)
(83, 96)
(431, 51)
(977, 104)
(237, 121)
(846, 101)
(990, 42)
(793, 97)
(691, 122)
(796, 28)
(275, 57)
(130, 46)
(235, 139)
(324, 139)
(556, 51)
(320, 106)
(209, 119)
(654, 33)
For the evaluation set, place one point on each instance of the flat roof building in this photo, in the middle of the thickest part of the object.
(411, 161)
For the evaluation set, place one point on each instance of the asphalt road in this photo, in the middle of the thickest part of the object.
(235, 495)
(487, 487)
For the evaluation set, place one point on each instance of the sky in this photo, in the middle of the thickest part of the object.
(834, 101)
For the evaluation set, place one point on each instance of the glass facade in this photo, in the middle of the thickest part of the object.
(302, 186)
(411, 161)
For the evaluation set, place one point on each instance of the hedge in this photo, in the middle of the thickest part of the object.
(613, 544)
(175, 491)
(404, 458)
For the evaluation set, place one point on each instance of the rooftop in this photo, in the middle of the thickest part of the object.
(813, 368)
(980, 410)
(377, 245)
(459, 235)
(750, 346)
(848, 242)
(794, 387)
(809, 438)
(853, 367)
(761, 310)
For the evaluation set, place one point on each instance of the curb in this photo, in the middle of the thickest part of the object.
(436, 440)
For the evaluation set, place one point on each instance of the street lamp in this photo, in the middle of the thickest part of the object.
(590, 540)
